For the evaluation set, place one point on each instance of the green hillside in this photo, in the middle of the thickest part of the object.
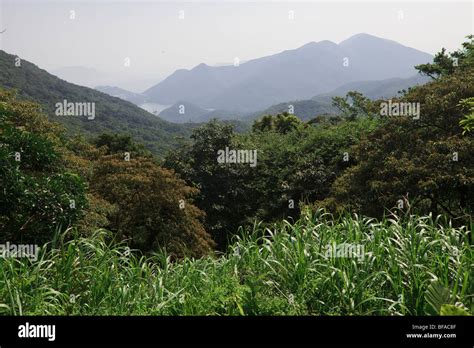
(113, 115)
(305, 109)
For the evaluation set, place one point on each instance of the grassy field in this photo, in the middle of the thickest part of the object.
(283, 270)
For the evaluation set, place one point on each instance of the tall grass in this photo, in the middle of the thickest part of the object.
(282, 270)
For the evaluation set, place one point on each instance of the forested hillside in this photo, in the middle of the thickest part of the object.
(113, 115)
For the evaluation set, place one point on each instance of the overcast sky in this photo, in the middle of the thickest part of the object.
(103, 34)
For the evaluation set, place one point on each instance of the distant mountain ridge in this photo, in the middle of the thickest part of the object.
(380, 89)
(185, 112)
(313, 69)
(304, 109)
(121, 93)
(322, 104)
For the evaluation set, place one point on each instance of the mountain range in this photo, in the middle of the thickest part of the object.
(306, 77)
(313, 69)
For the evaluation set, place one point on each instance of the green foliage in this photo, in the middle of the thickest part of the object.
(467, 123)
(153, 207)
(198, 166)
(295, 163)
(136, 199)
(281, 123)
(354, 105)
(436, 295)
(354, 162)
(445, 64)
(120, 143)
(427, 164)
(56, 183)
(279, 270)
(39, 195)
(452, 310)
(439, 301)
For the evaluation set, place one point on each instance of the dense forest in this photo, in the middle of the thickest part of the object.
(184, 233)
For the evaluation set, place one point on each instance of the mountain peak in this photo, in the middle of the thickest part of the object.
(201, 66)
(363, 37)
(309, 44)
(319, 43)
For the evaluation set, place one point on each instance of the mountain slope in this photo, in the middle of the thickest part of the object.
(121, 93)
(322, 104)
(315, 68)
(379, 89)
(304, 109)
(194, 114)
(112, 114)
(182, 112)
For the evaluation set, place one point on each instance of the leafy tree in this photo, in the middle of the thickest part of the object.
(264, 124)
(222, 193)
(39, 195)
(355, 104)
(467, 123)
(131, 195)
(446, 63)
(281, 123)
(153, 208)
(116, 143)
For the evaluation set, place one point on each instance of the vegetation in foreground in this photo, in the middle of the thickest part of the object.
(409, 266)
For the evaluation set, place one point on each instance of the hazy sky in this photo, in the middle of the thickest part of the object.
(157, 41)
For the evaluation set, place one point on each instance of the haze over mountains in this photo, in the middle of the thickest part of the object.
(121, 93)
(79, 75)
(315, 68)
(306, 77)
